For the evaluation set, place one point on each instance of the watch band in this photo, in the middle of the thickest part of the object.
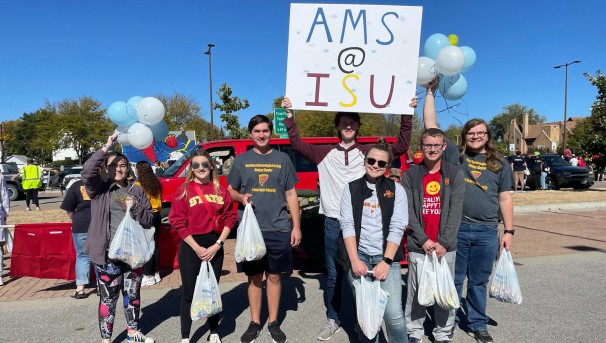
(387, 260)
(220, 242)
(511, 232)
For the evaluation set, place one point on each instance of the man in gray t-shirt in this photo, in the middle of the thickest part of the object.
(266, 178)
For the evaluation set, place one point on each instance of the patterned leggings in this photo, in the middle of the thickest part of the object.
(113, 277)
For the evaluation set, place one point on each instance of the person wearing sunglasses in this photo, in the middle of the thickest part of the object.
(338, 164)
(488, 180)
(435, 191)
(202, 213)
(109, 200)
(266, 179)
(372, 220)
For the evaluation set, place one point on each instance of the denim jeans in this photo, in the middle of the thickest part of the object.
(332, 293)
(477, 249)
(394, 314)
(82, 260)
(543, 178)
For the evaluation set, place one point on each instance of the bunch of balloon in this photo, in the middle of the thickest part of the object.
(443, 58)
(139, 122)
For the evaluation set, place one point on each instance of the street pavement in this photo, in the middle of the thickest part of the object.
(559, 253)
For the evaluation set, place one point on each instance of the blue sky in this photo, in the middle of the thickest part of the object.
(112, 50)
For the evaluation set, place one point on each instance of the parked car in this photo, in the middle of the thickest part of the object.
(10, 170)
(561, 174)
(71, 174)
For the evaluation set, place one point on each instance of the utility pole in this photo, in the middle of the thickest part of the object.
(210, 80)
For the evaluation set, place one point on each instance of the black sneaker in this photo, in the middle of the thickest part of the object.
(482, 336)
(253, 331)
(277, 335)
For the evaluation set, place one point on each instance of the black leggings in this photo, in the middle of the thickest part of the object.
(33, 195)
(189, 266)
(151, 267)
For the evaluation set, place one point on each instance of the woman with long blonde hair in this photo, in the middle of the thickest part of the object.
(202, 213)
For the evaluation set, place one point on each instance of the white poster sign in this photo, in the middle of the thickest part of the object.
(353, 58)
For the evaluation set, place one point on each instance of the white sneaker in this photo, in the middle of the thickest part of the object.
(157, 278)
(185, 340)
(148, 281)
(1, 282)
(37, 208)
(138, 337)
(214, 338)
(28, 209)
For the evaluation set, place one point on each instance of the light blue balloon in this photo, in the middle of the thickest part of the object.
(470, 58)
(452, 87)
(122, 114)
(133, 101)
(160, 130)
(434, 44)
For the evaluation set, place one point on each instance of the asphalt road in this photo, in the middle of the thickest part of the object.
(564, 301)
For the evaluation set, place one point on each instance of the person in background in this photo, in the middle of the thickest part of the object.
(395, 174)
(373, 215)
(537, 170)
(574, 161)
(582, 161)
(5, 208)
(567, 154)
(202, 213)
(31, 181)
(159, 170)
(153, 189)
(544, 172)
(338, 164)
(109, 200)
(435, 191)
(77, 205)
(267, 177)
(488, 181)
(518, 165)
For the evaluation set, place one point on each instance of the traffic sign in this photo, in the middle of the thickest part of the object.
(279, 127)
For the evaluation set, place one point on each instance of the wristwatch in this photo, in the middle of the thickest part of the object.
(387, 260)
(511, 232)
(220, 242)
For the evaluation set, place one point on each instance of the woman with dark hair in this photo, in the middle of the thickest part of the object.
(147, 179)
(202, 213)
(109, 201)
(488, 199)
(373, 217)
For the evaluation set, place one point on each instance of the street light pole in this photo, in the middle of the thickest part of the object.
(565, 97)
(210, 81)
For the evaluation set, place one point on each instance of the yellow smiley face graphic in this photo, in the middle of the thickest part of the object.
(433, 188)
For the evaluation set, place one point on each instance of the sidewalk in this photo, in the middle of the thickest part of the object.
(543, 230)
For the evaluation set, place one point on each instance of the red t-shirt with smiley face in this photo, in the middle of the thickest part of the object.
(432, 206)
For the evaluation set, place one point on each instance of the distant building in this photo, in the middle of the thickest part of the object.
(545, 137)
(19, 160)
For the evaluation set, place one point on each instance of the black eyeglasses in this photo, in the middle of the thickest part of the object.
(430, 146)
(371, 162)
(196, 165)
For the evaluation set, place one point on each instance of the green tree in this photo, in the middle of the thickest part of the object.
(501, 123)
(229, 105)
(579, 140)
(597, 146)
(184, 114)
(83, 125)
(453, 132)
(30, 136)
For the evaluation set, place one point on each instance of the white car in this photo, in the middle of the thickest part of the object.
(71, 174)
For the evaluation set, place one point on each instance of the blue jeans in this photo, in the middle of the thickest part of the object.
(394, 314)
(82, 260)
(332, 293)
(543, 177)
(477, 249)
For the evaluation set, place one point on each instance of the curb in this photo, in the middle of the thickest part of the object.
(577, 206)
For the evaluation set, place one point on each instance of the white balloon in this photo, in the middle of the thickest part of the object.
(450, 60)
(150, 111)
(426, 70)
(123, 138)
(140, 135)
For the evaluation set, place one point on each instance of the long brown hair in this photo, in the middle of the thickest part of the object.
(493, 161)
(214, 175)
(148, 180)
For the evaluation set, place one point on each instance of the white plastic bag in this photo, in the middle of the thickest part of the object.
(207, 297)
(505, 286)
(131, 244)
(250, 245)
(371, 301)
(446, 293)
(426, 274)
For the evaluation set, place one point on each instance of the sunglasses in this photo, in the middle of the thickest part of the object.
(196, 165)
(371, 162)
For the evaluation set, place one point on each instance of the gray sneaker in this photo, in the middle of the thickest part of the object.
(330, 329)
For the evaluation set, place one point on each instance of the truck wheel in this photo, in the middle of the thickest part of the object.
(13, 191)
(550, 183)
